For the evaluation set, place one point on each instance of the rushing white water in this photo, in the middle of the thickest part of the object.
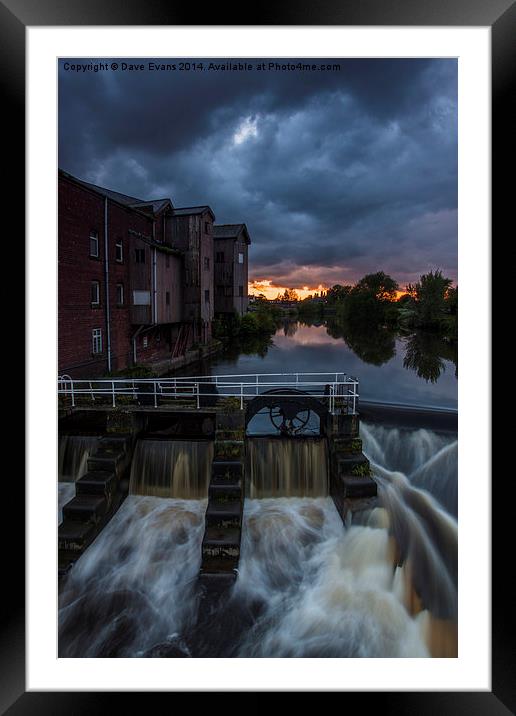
(73, 454)
(428, 459)
(327, 591)
(286, 468)
(171, 468)
(386, 586)
(133, 588)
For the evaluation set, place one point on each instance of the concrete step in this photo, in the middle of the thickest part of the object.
(75, 536)
(359, 487)
(99, 482)
(225, 492)
(231, 421)
(230, 450)
(115, 443)
(223, 470)
(348, 464)
(107, 461)
(217, 582)
(346, 446)
(224, 514)
(86, 508)
(220, 549)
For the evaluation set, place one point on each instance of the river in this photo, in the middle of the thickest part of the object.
(415, 370)
(383, 586)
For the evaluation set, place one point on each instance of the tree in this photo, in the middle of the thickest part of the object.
(367, 303)
(429, 295)
(337, 293)
(290, 294)
(379, 285)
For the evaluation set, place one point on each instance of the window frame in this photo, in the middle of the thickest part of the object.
(97, 285)
(119, 244)
(120, 286)
(96, 341)
(94, 236)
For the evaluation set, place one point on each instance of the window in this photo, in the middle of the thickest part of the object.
(228, 291)
(140, 256)
(206, 263)
(96, 337)
(94, 244)
(240, 290)
(220, 290)
(167, 298)
(219, 257)
(240, 258)
(206, 227)
(141, 298)
(120, 294)
(119, 251)
(158, 337)
(206, 297)
(95, 293)
(145, 341)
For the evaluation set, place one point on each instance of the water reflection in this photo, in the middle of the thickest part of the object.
(425, 354)
(375, 346)
(408, 369)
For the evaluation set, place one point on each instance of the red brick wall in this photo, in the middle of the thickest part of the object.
(80, 211)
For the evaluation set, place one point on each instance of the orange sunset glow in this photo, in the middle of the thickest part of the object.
(271, 290)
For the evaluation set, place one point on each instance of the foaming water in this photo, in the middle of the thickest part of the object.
(324, 591)
(385, 586)
(283, 467)
(134, 587)
(73, 454)
(171, 468)
(428, 459)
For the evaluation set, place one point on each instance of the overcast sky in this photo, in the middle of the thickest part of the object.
(336, 173)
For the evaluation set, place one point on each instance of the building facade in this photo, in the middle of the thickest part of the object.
(231, 242)
(136, 279)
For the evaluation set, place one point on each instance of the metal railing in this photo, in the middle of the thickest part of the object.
(338, 390)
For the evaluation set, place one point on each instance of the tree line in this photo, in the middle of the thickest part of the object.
(430, 304)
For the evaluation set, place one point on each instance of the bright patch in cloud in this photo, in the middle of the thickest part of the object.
(248, 128)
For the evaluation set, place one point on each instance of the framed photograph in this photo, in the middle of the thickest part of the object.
(212, 212)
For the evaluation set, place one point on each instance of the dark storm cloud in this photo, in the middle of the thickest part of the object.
(336, 173)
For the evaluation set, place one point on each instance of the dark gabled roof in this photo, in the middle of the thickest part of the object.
(156, 205)
(130, 201)
(231, 231)
(192, 211)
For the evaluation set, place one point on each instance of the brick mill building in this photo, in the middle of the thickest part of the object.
(137, 278)
(231, 268)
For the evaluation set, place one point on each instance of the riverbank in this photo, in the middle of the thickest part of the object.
(160, 368)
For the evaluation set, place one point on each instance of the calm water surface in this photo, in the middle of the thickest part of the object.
(302, 348)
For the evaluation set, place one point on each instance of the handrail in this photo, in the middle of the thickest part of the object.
(342, 395)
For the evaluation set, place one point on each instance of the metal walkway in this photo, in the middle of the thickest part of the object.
(338, 390)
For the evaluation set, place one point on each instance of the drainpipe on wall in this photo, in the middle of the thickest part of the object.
(154, 281)
(106, 276)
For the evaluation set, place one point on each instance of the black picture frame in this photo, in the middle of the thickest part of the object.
(500, 15)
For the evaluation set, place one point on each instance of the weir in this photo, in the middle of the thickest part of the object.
(158, 444)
